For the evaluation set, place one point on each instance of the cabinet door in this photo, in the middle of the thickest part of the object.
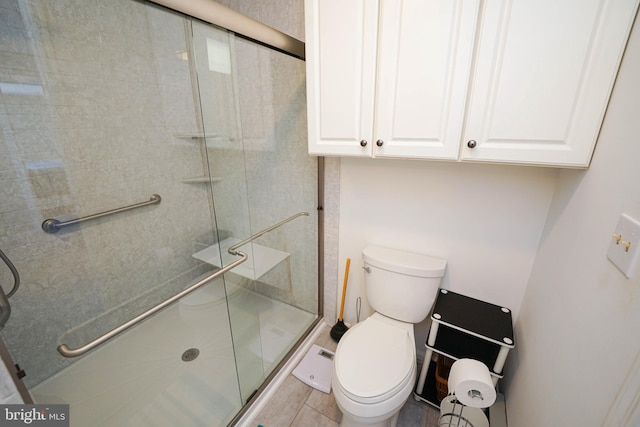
(340, 55)
(544, 73)
(425, 48)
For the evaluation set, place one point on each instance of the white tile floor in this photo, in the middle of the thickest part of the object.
(139, 378)
(295, 404)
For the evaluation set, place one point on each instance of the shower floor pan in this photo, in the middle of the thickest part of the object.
(178, 368)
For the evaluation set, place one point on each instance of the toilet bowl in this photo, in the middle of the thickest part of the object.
(374, 368)
(374, 371)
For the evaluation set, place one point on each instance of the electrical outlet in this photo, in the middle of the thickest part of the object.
(624, 247)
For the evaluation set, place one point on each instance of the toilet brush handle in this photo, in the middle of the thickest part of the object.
(344, 288)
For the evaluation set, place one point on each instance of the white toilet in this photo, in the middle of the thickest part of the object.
(374, 368)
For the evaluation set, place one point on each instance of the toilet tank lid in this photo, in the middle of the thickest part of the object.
(404, 262)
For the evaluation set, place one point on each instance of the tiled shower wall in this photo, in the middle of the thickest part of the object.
(93, 95)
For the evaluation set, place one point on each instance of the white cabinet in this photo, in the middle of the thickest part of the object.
(543, 75)
(523, 81)
(388, 78)
(340, 61)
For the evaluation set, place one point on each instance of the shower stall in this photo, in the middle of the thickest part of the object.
(159, 204)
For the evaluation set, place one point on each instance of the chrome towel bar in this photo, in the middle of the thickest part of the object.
(64, 349)
(52, 225)
(233, 249)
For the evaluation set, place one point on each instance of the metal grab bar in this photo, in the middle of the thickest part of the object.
(53, 225)
(232, 250)
(64, 349)
(5, 307)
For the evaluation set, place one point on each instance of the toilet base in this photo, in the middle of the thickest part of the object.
(348, 421)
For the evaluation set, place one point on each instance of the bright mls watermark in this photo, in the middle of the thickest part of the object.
(34, 415)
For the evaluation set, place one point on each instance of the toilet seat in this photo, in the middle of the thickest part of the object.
(374, 361)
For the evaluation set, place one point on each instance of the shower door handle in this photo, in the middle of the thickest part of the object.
(233, 249)
(64, 349)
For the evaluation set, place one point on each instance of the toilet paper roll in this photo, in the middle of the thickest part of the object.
(471, 383)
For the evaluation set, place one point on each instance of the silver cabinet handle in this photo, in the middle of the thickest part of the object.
(363, 143)
(472, 144)
(379, 143)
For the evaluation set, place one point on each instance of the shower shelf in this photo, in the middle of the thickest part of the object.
(261, 258)
(201, 179)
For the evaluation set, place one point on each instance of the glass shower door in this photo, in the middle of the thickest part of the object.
(95, 100)
(264, 188)
(103, 105)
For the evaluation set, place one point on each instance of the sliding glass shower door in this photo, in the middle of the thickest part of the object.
(104, 105)
(264, 191)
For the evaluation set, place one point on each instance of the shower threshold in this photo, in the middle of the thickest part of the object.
(142, 379)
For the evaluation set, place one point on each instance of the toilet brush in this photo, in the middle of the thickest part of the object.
(340, 328)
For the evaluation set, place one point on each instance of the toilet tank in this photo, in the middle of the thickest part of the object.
(399, 284)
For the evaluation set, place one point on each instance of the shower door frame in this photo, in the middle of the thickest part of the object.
(217, 14)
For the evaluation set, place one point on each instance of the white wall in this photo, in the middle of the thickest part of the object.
(579, 328)
(485, 220)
